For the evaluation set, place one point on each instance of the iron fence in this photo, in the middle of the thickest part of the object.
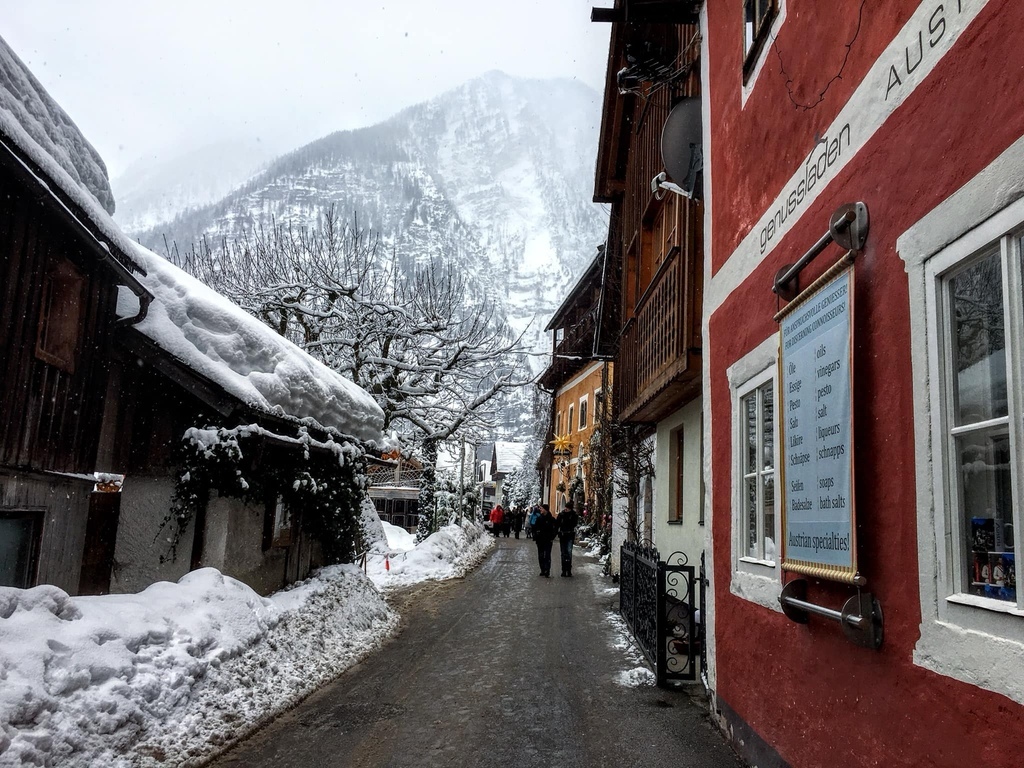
(656, 600)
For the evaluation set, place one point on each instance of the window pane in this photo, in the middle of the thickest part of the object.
(979, 354)
(750, 494)
(986, 502)
(768, 505)
(768, 427)
(749, 18)
(750, 410)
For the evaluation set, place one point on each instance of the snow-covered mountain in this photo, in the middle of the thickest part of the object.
(497, 174)
(152, 191)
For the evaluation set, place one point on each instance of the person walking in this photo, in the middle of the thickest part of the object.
(544, 531)
(518, 516)
(497, 520)
(567, 521)
(532, 519)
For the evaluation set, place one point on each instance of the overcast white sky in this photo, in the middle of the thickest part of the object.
(142, 78)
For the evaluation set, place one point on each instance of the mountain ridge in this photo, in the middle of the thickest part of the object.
(495, 174)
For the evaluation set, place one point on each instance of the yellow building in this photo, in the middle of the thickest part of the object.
(579, 381)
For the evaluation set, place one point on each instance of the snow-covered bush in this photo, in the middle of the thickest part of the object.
(325, 480)
(371, 530)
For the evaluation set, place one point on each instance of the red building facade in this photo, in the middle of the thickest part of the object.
(914, 109)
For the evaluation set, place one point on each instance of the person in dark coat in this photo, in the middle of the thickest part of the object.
(544, 532)
(567, 521)
(518, 517)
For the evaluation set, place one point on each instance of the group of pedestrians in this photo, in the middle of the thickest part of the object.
(545, 527)
(503, 523)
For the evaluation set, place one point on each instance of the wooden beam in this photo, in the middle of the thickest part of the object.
(194, 383)
(657, 12)
(607, 15)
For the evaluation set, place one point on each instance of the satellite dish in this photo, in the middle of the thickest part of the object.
(681, 150)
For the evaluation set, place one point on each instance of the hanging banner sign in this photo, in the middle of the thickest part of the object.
(816, 418)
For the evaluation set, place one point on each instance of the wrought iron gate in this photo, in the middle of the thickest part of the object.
(656, 600)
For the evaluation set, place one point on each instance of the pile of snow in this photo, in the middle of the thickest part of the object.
(399, 539)
(450, 553)
(620, 638)
(636, 677)
(174, 673)
(224, 343)
(44, 134)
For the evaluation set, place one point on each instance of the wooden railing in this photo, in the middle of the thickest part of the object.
(657, 368)
(578, 339)
(654, 349)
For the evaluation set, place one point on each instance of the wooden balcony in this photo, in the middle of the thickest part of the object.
(658, 367)
(573, 351)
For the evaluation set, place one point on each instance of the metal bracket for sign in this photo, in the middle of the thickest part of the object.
(848, 228)
(861, 617)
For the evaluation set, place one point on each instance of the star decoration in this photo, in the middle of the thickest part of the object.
(562, 444)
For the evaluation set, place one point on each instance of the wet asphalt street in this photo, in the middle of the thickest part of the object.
(502, 668)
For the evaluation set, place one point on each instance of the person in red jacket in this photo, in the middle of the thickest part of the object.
(497, 520)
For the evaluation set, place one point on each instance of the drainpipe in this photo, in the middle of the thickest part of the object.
(132, 284)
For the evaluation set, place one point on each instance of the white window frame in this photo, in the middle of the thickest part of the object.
(949, 526)
(753, 579)
(583, 413)
(572, 415)
(747, 86)
(974, 639)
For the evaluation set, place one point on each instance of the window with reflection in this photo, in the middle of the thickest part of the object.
(979, 324)
(757, 420)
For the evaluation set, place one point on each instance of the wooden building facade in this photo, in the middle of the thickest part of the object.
(101, 393)
(656, 251)
(579, 380)
(59, 281)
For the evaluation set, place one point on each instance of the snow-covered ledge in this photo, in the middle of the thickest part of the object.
(967, 640)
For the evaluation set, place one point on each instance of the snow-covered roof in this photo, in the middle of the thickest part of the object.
(186, 319)
(508, 456)
(43, 134)
(230, 347)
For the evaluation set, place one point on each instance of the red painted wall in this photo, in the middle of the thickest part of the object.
(816, 698)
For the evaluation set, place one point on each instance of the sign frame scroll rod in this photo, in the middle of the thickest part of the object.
(848, 228)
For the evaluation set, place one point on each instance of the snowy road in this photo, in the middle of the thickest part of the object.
(503, 668)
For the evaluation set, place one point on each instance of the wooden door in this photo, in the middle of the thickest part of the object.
(100, 540)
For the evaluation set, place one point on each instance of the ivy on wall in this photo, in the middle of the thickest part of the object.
(323, 481)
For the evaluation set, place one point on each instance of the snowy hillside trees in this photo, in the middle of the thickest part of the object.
(521, 488)
(433, 353)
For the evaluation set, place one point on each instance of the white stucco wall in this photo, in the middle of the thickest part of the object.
(141, 541)
(687, 536)
(233, 544)
(619, 507)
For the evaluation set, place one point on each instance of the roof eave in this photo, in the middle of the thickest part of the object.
(592, 272)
